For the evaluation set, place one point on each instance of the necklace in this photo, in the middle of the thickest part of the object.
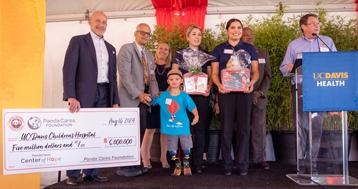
(160, 73)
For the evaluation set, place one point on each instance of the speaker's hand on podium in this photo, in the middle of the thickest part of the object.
(289, 67)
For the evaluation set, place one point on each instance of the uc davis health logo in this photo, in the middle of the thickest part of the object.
(16, 123)
(330, 79)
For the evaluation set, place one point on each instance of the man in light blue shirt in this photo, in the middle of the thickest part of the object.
(310, 41)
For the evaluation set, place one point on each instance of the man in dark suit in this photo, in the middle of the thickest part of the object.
(90, 78)
(137, 82)
(258, 111)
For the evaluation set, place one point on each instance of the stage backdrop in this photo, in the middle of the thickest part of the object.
(22, 39)
(119, 32)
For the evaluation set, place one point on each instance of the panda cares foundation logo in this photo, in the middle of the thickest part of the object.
(16, 123)
(34, 123)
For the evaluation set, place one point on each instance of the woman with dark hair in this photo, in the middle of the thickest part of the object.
(234, 106)
(163, 64)
(194, 37)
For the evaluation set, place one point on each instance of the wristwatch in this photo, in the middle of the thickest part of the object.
(262, 95)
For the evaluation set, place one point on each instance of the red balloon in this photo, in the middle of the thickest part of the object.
(173, 107)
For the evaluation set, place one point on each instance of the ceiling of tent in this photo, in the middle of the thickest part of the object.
(62, 10)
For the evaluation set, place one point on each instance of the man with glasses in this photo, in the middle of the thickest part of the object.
(308, 42)
(137, 82)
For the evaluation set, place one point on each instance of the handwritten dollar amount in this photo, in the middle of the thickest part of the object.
(127, 141)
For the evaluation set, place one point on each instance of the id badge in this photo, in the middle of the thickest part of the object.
(228, 51)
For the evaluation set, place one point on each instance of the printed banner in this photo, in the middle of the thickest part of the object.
(330, 81)
(39, 140)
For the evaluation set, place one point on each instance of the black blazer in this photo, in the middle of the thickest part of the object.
(80, 71)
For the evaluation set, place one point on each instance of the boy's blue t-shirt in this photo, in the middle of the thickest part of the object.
(173, 117)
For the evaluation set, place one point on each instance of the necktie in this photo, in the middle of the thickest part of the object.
(146, 76)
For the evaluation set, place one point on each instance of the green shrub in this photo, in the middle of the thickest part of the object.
(273, 34)
(175, 36)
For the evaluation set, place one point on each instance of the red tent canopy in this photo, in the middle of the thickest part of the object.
(183, 11)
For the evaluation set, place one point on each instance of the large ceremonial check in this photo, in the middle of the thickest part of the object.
(38, 140)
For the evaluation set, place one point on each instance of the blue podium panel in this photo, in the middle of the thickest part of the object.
(330, 81)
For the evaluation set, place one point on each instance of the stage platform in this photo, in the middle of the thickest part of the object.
(211, 178)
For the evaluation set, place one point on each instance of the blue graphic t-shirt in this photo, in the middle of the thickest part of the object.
(173, 117)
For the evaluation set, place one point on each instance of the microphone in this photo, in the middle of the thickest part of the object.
(314, 34)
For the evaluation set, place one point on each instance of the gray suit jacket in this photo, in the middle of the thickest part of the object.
(131, 75)
(264, 82)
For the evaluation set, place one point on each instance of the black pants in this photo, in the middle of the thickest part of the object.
(209, 116)
(235, 107)
(101, 101)
(198, 130)
(143, 111)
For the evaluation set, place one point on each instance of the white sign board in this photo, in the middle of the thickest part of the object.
(39, 140)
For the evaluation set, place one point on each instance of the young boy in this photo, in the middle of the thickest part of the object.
(174, 119)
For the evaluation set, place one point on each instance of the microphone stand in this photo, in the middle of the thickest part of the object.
(314, 34)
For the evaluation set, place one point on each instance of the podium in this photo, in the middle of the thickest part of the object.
(324, 91)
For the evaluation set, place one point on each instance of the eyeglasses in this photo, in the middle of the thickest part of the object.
(144, 33)
(314, 23)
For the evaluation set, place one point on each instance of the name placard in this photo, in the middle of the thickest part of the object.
(40, 140)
